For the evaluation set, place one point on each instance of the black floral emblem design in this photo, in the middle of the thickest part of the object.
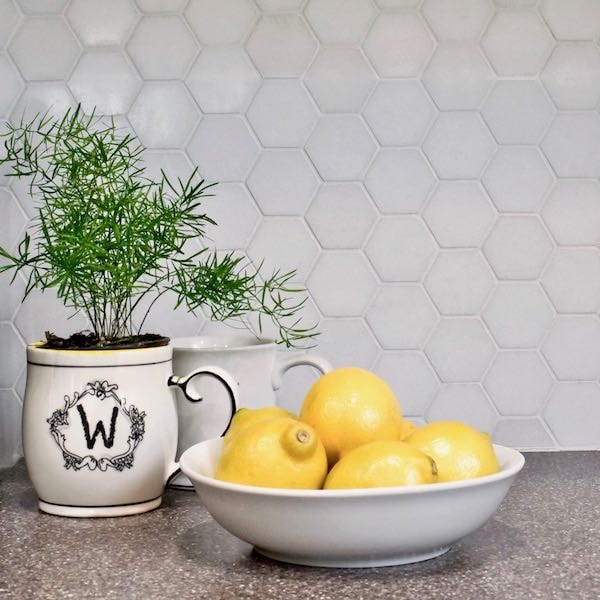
(101, 390)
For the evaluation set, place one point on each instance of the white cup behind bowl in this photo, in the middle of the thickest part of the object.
(254, 364)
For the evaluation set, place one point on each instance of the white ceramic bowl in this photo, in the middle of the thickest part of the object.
(350, 528)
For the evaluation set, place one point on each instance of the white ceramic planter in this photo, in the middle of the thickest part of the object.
(100, 428)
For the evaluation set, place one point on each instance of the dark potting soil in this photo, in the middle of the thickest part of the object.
(89, 341)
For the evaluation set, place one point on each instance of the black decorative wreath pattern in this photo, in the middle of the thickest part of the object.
(101, 390)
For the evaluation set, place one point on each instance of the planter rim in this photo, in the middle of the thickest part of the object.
(97, 358)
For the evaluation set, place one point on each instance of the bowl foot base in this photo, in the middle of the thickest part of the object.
(355, 562)
(122, 510)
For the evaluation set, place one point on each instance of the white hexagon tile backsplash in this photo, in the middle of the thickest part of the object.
(430, 167)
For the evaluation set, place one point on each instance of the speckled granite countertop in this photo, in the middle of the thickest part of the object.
(543, 543)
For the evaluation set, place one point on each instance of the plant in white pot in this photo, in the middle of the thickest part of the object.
(99, 423)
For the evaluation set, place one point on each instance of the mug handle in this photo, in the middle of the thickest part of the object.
(312, 360)
(220, 375)
(182, 383)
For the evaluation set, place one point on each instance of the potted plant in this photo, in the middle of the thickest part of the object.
(99, 425)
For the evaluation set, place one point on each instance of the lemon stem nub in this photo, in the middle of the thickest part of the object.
(300, 440)
(303, 436)
(434, 469)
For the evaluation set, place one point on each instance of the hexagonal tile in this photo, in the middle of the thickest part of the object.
(517, 179)
(43, 310)
(572, 213)
(398, 3)
(163, 115)
(572, 145)
(518, 315)
(106, 23)
(12, 295)
(282, 182)
(9, 19)
(224, 148)
(465, 402)
(573, 20)
(10, 428)
(51, 98)
(225, 22)
(458, 77)
(104, 81)
(340, 24)
(400, 248)
(459, 213)
(44, 48)
(175, 164)
(235, 213)
(4, 169)
(517, 42)
(13, 220)
(342, 284)
(347, 342)
(399, 113)
(13, 355)
(167, 320)
(19, 186)
(518, 247)
(42, 6)
(398, 45)
(461, 20)
(280, 5)
(281, 45)
(162, 47)
(399, 180)
(401, 317)
(572, 76)
(341, 147)
(518, 112)
(341, 215)
(572, 347)
(12, 85)
(573, 414)
(411, 377)
(518, 382)
(150, 6)
(223, 80)
(514, 3)
(282, 113)
(459, 281)
(459, 145)
(285, 244)
(572, 280)
(460, 349)
(528, 433)
(340, 79)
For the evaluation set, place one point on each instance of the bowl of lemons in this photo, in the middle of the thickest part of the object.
(349, 482)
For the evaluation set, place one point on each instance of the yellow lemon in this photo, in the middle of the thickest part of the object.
(382, 464)
(459, 450)
(279, 452)
(406, 429)
(350, 407)
(244, 417)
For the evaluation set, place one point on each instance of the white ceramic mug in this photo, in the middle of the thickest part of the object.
(100, 427)
(253, 363)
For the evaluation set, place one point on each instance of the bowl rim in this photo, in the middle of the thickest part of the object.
(516, 461)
